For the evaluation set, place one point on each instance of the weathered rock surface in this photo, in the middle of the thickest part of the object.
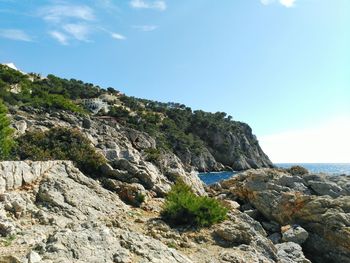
(64, 216)
(67, 217)
(295, 234)
(239, 150)
(318, 203)
(291, 253)
(121, 146)
(14, 175)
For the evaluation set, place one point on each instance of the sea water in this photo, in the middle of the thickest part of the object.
(329, 168)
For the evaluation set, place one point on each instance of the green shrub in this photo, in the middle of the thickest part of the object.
(183, 207)
(152, 155)
(55, 101)
(6, 141)
(140, 198)
(60, 144)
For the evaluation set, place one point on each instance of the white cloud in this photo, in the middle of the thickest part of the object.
(15, 34)
(58, 13)
(267, 2)
(327, 143)
(287, 3)
(118, 36)
(141, 4)
(78, 31)
(146, 28)
(60, 37)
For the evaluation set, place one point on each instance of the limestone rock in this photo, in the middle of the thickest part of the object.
(293, 199)
(291, 253)
(295, 234)
(72, 218)
(33, 257)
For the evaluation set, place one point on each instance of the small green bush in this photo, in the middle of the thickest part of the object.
(152, 155)
(60, 144)
(183, 207)
(6, 140)
(139, 199)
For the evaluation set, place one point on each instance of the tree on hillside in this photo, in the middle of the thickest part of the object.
(6, 141)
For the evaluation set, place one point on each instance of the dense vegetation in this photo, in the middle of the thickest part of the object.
(175, 126)
(183, 207)
(60, 144)
(6, 142)
(50, 93)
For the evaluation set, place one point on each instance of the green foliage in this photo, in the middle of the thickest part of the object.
(183, 207)
(140, 198)
(152, 155)
(60, 144)
(55, 101)
(6, 141)
(172, 244)
(175, 127)
(179, 129)
(50, 93)
(7, 241)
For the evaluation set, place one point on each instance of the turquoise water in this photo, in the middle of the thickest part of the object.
(329, 168)
(212, 178)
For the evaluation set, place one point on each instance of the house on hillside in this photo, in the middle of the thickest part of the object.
(95, 105)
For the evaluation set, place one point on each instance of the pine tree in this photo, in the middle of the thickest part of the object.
(6, 141)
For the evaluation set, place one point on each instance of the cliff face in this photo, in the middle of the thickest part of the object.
(236, 148)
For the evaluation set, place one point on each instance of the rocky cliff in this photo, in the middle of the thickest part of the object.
(290, 204)
(123, 148)
(51, 212)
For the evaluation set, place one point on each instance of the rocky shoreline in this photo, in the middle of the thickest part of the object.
(312, 210)
(51, 212)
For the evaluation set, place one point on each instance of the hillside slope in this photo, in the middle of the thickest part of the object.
(203, 141)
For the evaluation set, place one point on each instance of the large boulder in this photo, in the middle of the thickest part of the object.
(292, 199)
(295, 234)
(291, 253)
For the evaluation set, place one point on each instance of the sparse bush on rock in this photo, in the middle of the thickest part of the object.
(183, 207)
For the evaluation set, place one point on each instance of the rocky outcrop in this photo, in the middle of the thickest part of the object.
(65, 216)
(14, 175)
(121, 146)
(318, 203)
(290, 252)
(203, 161)
(238, 148)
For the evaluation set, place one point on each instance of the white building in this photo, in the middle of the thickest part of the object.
(95, 105)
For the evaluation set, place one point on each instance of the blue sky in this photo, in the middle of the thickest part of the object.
(282, 66)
